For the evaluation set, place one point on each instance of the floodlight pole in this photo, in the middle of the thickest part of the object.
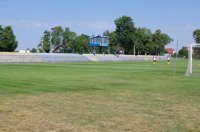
(176, 59)
(61, 42)
(50, 43)
(157, 49)
(52, 29)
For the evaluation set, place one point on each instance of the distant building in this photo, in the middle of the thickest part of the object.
(170, 51)
(24, 51)
(99, 41)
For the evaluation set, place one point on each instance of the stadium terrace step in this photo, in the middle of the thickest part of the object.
(14, 58)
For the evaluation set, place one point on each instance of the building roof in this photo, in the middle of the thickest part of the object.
(98, 36)
(169, 50)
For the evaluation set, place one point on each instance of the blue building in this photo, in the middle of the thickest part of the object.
(99, 41)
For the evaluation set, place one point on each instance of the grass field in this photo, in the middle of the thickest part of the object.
(106, 96)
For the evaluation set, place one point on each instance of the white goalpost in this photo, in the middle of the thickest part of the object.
(193, 68)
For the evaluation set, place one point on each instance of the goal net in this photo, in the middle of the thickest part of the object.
(193, 68)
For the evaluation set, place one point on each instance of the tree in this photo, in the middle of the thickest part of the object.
(81, 44)
(45, 41)
(183, 52)
(112, 41)
(143, 41)
(159, 41)
(7, 39)
(1, 38)
(106, 33)
(196, 51)
(57, 37)
(125, 32)
(33, 50)
(196, 35)
(69, 39)
(59, 40)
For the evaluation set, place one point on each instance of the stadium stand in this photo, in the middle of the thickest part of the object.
(14, 58)
(101, 57)
(57, 57)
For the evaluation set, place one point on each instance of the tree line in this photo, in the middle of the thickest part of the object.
(8, 41)
(64, 40)
(137, 41)
(126, 37)
(196, 50)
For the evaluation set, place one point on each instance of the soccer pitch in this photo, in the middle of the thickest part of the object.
(98, 96)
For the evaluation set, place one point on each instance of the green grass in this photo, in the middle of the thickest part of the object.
(136, 76)
(101, 96)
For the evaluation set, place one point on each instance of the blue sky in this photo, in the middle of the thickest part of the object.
(29, 18)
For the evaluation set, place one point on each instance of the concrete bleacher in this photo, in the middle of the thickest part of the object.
(13, 58)
(57, 57)
(9, 58)
(110, 57)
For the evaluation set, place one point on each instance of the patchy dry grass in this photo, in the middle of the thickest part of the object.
(108, 97)
(97, 111)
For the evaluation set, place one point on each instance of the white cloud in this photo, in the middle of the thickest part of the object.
(182, 28)
(29, 24)
(190, 27)
(92, 25)
(99, 25)
(22, 23)
(60, 23)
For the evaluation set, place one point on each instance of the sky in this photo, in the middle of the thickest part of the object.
(30, 18)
